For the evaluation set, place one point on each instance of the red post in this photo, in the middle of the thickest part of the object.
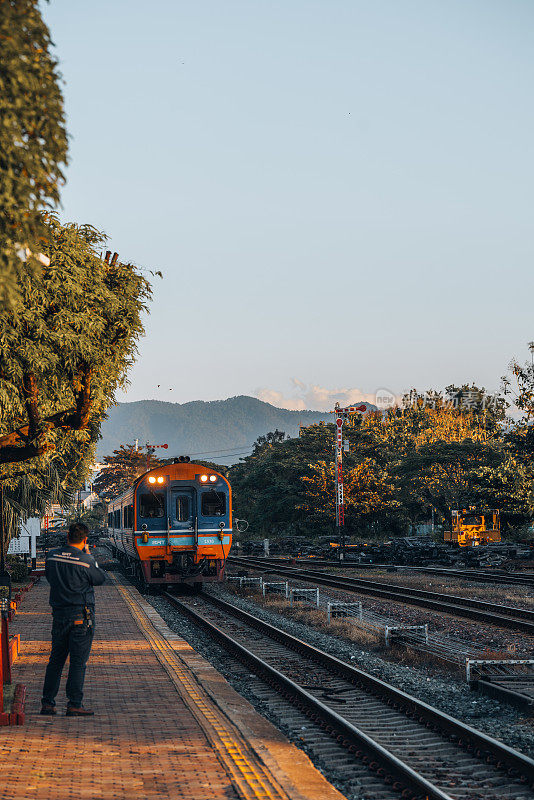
(1, 680)
(6, 661)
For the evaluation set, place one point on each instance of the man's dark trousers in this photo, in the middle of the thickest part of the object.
(73, 637)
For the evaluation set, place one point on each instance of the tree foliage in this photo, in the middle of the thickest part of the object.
(69, 347)
(369, 492)
(431, 454)
(33, 142)
(120, 470)
(268, 487)
(522, 375)
(62, 357)
(126, 464)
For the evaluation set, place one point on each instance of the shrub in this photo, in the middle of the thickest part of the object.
(17, 569)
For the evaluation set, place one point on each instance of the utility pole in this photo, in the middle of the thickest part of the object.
(341, 416)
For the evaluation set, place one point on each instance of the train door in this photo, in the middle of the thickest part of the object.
(181, 516)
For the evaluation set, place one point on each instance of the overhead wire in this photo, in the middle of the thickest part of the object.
(227, 450)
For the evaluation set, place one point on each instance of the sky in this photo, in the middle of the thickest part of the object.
(339, 194)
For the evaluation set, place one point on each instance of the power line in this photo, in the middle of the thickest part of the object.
(214, 452)
(226, 455)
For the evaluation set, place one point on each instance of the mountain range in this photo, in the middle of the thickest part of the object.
(220, 430)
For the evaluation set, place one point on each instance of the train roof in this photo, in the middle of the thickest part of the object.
(182, 471)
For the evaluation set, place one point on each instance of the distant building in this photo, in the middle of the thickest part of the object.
(90, 501)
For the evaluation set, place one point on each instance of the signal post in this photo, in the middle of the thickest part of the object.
(342, 415)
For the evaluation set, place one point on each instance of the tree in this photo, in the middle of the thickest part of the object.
(267, 486)
(368, 490)
(33, 143)
(121, 469)
(520, 386)
(94, 517)
(523, 376)
(458, 475)
(270, 439)
(62, 357)
(442, 474)
(70, 345)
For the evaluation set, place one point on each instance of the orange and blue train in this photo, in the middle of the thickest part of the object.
(174, 525)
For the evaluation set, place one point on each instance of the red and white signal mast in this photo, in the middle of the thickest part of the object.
(342, 415)
(150, 450)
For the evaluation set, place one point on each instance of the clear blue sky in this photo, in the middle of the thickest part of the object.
(339, 193)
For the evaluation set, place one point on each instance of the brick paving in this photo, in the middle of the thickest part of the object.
(143, 742)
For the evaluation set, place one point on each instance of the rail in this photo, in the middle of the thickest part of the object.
(495, 576)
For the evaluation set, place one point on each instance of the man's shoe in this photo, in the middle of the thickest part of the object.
(47, 710)
(79, 711)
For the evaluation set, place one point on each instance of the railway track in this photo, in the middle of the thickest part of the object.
(409, 748)
(516, 689)
(494, 576)
(495, 614)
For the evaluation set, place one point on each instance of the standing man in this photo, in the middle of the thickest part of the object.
(72, 572)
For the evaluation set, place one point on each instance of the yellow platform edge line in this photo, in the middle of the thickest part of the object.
(252, 780)
(230, 747)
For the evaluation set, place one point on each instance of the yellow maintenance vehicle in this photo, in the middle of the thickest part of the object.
(472, 527)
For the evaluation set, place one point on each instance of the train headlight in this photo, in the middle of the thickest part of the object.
(213, 478)
(161, 479)
(203, 479)
(152, 479)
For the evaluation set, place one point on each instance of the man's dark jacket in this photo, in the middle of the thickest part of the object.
(72, 574)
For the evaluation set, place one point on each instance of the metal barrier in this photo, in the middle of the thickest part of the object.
(276, 587)
(246, 581)
(303, 595)
(343, 610)
(392, 631)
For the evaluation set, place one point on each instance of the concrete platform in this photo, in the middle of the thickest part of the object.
(167, 724)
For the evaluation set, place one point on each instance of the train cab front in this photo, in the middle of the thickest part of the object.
(184, 524)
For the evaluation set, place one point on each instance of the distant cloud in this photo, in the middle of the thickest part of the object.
(320, 398)
(279, 400)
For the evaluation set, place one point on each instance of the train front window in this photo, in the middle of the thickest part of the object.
(213, 504)
(472, 520)
(152, 506)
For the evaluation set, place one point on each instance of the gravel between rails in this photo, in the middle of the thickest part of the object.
(498, 720)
